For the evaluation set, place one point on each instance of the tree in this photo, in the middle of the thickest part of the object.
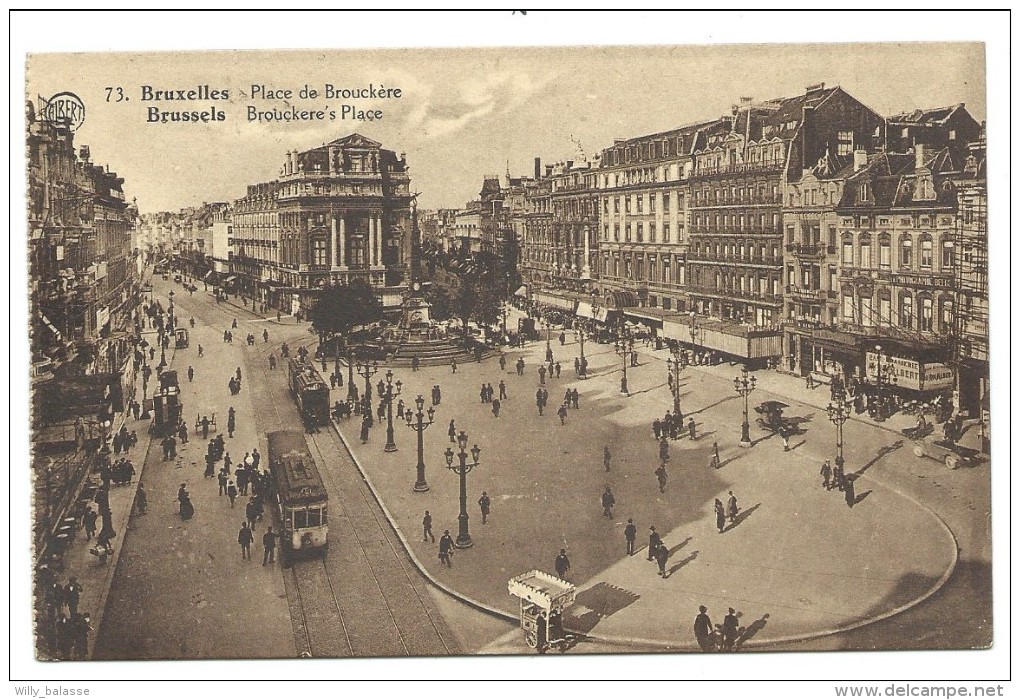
(476, 299)
(339, 310)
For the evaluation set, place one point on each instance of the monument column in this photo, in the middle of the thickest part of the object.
(342, 250)
(333, 255)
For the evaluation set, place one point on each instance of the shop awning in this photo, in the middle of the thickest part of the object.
(230, 279)
(211, 273)
(522, 291)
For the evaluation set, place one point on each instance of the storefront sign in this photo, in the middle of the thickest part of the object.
(920, 281)
(909, 374)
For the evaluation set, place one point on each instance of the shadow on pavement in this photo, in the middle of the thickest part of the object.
(742, 516)
(882, 452)
(713, 405)
(682, 563)
(680, 546)
(601, 601)
(751, 630)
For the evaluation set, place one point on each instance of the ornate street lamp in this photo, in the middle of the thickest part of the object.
(388, 395)
(463, 536)
(673, 367)
(548, 337)
(839, 412)
(420, 427)
(367, 370)
(350, 371)
(695, 330)
(884, 377)
(623, 350)
(744, 384)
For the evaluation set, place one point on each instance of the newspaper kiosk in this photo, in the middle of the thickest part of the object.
(543, 598)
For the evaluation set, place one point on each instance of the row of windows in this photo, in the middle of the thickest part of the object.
(732, 194)
(636, 203)
(636, 233)
(735, 249)
(905, 254)
(861, 310)
(738, 222)
(663, 271)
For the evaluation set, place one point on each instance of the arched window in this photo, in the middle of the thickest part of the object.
(906, 251)
(865, 243)
(848, 250)
(926, 251)
(927, 313)
(884, 252)
(948, 255)
(907, 311)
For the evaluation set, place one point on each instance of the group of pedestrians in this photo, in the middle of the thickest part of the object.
(726, 515)
(672, 426)
(721, 637)
(836, 478)
(62, 626)
(245, 537)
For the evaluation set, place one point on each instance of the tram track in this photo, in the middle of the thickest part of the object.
(367, 616)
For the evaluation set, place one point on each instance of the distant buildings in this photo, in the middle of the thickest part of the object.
(337, 213)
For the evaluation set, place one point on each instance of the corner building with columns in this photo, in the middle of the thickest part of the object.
(337, 213)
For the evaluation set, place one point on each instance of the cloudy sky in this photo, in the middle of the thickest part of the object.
(464, 114)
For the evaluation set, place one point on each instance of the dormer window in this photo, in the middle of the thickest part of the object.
(925, 188)
(865, 191)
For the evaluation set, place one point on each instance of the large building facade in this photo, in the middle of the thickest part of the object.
(337, 213)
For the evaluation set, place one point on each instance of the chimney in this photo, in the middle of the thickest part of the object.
(548, 170)
(818, 87)
(570, 164)
(919, 155)
(860, 159)
(538, 168)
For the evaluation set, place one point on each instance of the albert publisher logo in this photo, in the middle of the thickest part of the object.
(65, 108)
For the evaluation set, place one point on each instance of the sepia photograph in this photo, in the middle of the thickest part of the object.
(675, 348)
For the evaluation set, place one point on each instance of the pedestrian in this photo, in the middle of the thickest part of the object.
(558, 369)
(657, 430)
(234, 323)
(453, 366)
(562, 564)
(251, 511)
(265, 335)
(191, 373)
(223, 482)
(415, 363)
(231, 492)
(484, 502)
(838, 478)
(577, 366)
(562, 413)
(269, 546)
(716, 461)
(72, 595)
(654, 540)
(426, 528)
(438, 395)
(231, 422)
(660, 474)
(452, 432)
(563, 338)
(244, 538)
(482, 393)
(495, 408)
(826, 473)
(502, 390)
(730, 629)
(848, 492)
(520, 366)
(502, 363)
(88, 521)
(732, 508)
(661, 557)
(663, 449)
(606, 457)
(541, 374)
(630, 534)
(141, 499)
(446, 548)
(784, 433)
(691, 429)
(364, 428)
(538, 401)
(703, 629)
(200, 350)
(608, 501)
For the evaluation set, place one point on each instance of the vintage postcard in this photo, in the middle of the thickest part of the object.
(432, 352)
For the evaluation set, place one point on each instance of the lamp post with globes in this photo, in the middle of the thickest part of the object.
(695, 330)
(463, 536)
(673, 367)
(367, 370)
(624, 346)
(744, 384)
(839, 412)
(391, 446)
(419, 424)
(884, 378)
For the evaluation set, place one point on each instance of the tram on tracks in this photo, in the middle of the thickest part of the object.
(299, 496)
(310, 392)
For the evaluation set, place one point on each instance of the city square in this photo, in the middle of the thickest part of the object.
(717, 387)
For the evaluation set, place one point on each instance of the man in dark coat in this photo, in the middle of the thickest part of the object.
(562, 564)
(730, 630)
(72, 595)
(244, 538)
(426, 528)
(446, 548)
(848, 492)
(269, 546)
(484, 503)
(661, 557)
(826, 473)
(703, 629)
(630, 534)
(653, 542)
(608, 501)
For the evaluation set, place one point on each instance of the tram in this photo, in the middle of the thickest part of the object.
(310, 392)
(300, 498)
